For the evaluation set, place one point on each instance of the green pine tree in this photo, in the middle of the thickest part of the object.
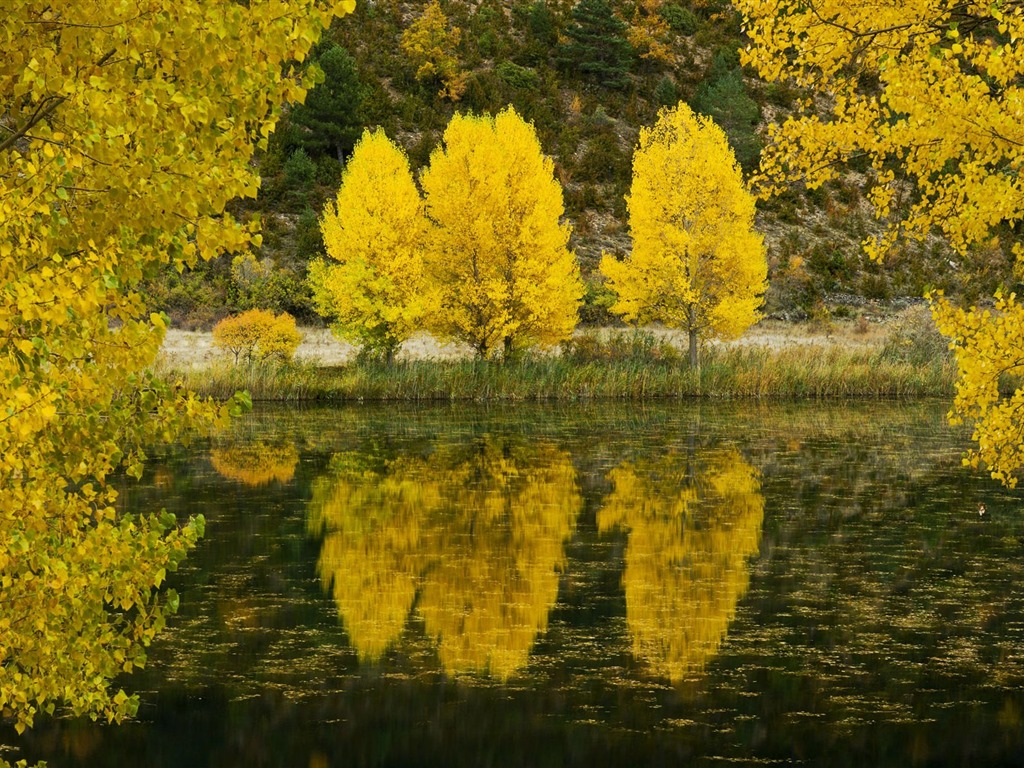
(597, 45)
(726, 101)
(330, 120)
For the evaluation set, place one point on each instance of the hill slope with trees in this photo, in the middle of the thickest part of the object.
(588, 75)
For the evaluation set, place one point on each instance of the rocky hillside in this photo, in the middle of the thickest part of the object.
(588, 75)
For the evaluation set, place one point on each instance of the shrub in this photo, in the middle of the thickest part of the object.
(915, 339)
(666, 93)
(299, 170)
(258, 335)
(604, 160)
(517, 76)
(681, 20)
(636, 347)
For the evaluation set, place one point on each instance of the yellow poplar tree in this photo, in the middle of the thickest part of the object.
(930, 93)
(374, 289)
(431, 46)
(696, 263)
(499, 254)
(649, 33)
(258, 335)
(124, 130)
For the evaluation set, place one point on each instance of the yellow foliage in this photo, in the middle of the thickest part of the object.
(499, 254)
(649, 34)
(934, 103)
(258, 335)
(431, 46)
(989, 348)
(256, 463)
(693, 522)
(374, 231)
(124, 130)
(476, 532)
(696, 263)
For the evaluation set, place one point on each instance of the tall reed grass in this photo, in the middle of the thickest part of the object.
(793, 372)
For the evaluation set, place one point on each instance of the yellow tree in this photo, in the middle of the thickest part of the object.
(124, 130)
(431, 46)
(258, 335)
(375, 289)
(693, 522)
(930, 93)
(696, 263)
(649, 33)
(499, 255)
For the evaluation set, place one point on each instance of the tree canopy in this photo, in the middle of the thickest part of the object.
(597, 44)
(929, 95)
(124, 131)
(329, 121)
(430, 44)
(374, 287)
(499, 252)
(696, 262)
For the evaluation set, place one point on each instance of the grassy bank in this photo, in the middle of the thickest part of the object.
(794, 372)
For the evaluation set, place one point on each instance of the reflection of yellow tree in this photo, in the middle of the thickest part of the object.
(373, 520)
(479, 535)
(693, 521)
(508, 512)
(257, 463)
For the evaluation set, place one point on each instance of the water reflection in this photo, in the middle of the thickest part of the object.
(694, 519)
(472, 535)
(883, 623)
(256, 462)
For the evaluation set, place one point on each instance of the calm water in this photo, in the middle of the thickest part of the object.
(600, 585)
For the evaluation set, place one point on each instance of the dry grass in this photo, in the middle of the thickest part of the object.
(773, 361)
(191, 349)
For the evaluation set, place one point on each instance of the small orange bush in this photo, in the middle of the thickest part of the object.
(258, 335)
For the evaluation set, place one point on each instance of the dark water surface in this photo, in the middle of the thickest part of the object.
(584, 585)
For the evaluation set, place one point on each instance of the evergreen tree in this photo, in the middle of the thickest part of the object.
(330, 120)
(597, 44)
(726, 101)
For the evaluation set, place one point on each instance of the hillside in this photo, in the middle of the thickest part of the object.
(588, 76)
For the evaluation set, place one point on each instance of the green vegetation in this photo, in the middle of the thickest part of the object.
(588, 76)
(637, 368)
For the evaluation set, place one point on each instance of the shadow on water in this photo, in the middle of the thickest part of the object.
(584, 585)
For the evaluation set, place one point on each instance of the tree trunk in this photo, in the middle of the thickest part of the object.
(508, 351)
(694, 361)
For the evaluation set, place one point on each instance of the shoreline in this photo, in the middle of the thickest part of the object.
(903, 357)
(759, 373)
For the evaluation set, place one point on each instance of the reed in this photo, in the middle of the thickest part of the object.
(794, 372)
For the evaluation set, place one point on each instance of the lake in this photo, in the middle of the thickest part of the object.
(582, 585)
